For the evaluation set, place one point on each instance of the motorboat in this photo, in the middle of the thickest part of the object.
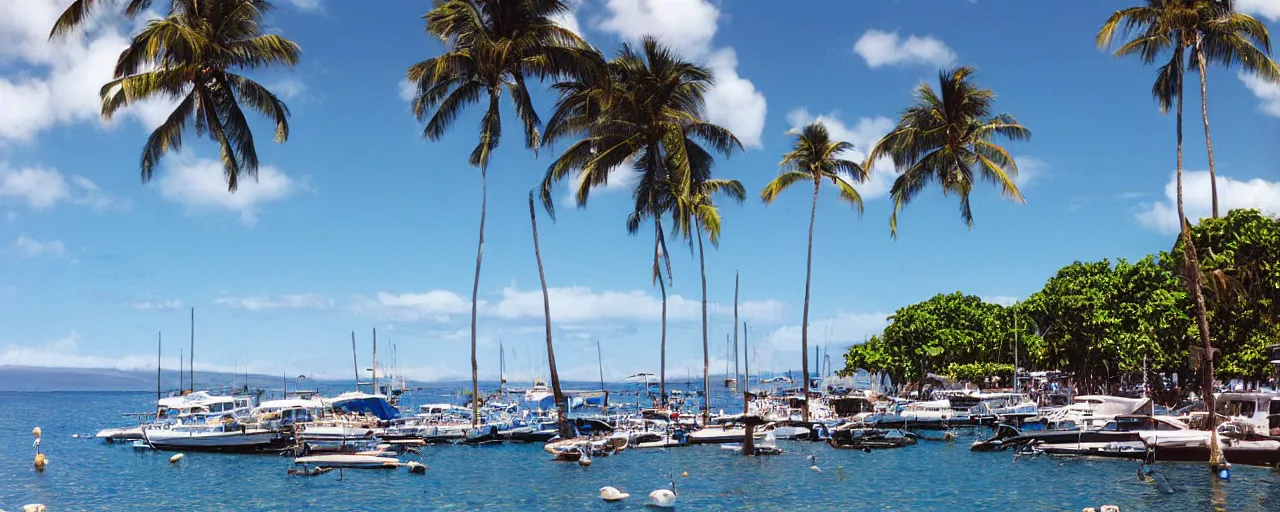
(229, 436)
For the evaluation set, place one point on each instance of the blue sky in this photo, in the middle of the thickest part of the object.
(357, 222)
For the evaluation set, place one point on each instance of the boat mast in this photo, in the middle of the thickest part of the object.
(737, 377)
(746, 386)
(1015, 351)
(192, 354)
(355, 361)
(182, 372)
(502, 365)
(600, 362)
(159, 351)
(375, 360)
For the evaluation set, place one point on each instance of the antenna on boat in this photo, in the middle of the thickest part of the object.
(182, 373)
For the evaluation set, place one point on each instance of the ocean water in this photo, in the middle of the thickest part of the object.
(85, 474)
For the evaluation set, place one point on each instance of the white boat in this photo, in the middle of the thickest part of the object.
(349, 461)
(227, 437)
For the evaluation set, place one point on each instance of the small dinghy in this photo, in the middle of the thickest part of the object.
(868, 439)
(305, 471)
(349, 461)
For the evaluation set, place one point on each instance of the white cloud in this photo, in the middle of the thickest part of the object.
(199, 185)
(146, 305)
(620, 178)
(407, 90)
(686, 25)
(33, 248)
(1162, 216)
(292, 301)
(734, 102)
(57, 81)
(1267, 92)
(568, 19)
(880, 48)
(41, 188)
(863, 135)
(412, 307)
(842, 328)
(37, 187)
(1269, 9)
(582, 304)
(1003, 300)
(87, 193)
(288, 88)
(65, 353)
(689, 26)
(1030, 169)
(306, 5)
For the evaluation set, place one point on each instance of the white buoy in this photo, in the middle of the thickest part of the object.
(612, 494)
(585, 460)
(34, 507)
(177, 457)
(662, 498)
(417, 467)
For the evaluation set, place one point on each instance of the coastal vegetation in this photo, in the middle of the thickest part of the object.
(1103, 322)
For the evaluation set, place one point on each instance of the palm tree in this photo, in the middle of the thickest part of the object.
(190, 55)
(699, 211)
(79, 10)
(945, 137)
(815, 157)
(1160, 26)
(492, 46)
(647, 113)
(1227, 38)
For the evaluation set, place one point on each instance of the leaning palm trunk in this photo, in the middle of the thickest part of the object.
(1204, 112)
(706, 354)
(1191, 264)
(662, 285)
(475, 292)
(562, 420)
(804, 322)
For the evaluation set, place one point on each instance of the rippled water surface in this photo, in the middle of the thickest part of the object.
(85, 474)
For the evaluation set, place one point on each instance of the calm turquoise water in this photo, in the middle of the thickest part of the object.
(86, 475)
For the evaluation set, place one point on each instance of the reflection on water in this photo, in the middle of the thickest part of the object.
(86, 475)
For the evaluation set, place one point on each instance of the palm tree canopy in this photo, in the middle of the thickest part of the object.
(79, 11)
(1225, 37)
(815, 157)
(647, 112)
(946, 138)
(492, 46)
(699, 210)
(188, 56)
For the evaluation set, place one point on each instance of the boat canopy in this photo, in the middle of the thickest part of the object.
(376, 405)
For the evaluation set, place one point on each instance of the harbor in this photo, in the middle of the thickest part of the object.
(523, 476)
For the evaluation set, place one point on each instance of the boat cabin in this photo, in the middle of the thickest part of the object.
(1258, 410)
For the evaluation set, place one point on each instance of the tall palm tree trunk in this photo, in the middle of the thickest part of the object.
(475, 292)
(1192, 270)
(706, 354)
(804, 322)
(562, 420)
(1208, 141)
(662, 286)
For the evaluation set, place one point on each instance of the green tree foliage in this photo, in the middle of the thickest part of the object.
(1102, 321)
(1240, 263)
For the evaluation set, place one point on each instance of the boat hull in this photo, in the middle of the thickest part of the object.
(223, 442)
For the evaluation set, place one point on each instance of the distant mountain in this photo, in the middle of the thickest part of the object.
(31, 378)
